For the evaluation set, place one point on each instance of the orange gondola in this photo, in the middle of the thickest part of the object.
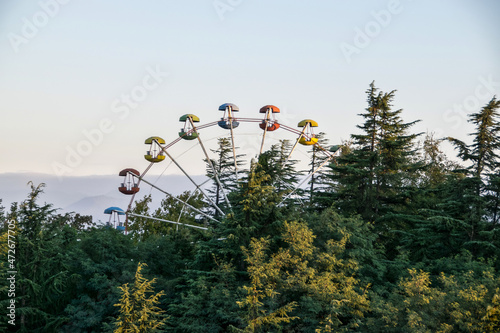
(269, 120)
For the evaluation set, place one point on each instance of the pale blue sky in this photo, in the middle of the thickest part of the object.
(441, 56)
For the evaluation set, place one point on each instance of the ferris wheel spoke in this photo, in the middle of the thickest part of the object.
(176, 199)
(295, 145)
(168, 221)
(183, 207)
(210, 164)
(198, 187)
(234, 149)
(307, 177)
(263, 137)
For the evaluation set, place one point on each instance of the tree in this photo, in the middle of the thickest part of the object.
(171, 209)
(101, 260)
(492, 317)
(262, 287)
(298, 280)
(255, 213)
(374, 179)
(207, 298)
(486, 140)
(319, 181)
(224, 166)
(138, 309)
(437, 165)
(452, 294)
(282, 173)
(41, 263)
(483, 158)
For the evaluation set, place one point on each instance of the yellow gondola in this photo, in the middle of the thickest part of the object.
(308, 138)
(154, 154)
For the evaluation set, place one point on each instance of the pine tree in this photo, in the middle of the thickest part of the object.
(319, 181)
(282, 173)
(138, 309)
(41, 264)
(99, 262)
(255, 213)
(371, 179)
(483, 157)
(224, 167)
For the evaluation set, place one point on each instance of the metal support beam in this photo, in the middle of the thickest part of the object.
(176, 199)
(304, 180)
(209, 161)
(162, 220)
(296, 142)
(198, 187)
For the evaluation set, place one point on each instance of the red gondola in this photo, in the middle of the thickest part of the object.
(129, 185)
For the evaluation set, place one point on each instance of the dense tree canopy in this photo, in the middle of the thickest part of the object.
(390, 236)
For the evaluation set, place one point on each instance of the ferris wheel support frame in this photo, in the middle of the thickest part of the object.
(163, 220)
(234, 149)
(209, 161)
(331, 156)
(198, 187)
(175, 198)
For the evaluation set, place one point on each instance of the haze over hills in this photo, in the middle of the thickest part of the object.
(86, 195)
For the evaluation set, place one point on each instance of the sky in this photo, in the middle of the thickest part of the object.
(84, 83)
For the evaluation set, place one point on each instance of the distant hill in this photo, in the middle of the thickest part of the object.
(86, 195)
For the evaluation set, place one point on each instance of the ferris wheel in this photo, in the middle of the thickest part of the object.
(159, 151)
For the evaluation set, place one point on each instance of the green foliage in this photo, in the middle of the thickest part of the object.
(100, 261)
(138, 306)
(224, 167)
(297, 281)
(171, 209)
(372, 178)
(282, 174)
(262, 286)
(41, 265)
(207, 300)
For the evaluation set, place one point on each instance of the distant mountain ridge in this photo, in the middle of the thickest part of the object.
(86, 195)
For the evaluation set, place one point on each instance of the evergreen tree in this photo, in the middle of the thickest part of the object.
(282, 173)
(319, 181)
(483, 158)
(373, 178)
(298, 280)
(262, 288)
(224, 166)
(41, 265)
(255, 213)
(139, 312)
(207, 299)
(101, 261)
